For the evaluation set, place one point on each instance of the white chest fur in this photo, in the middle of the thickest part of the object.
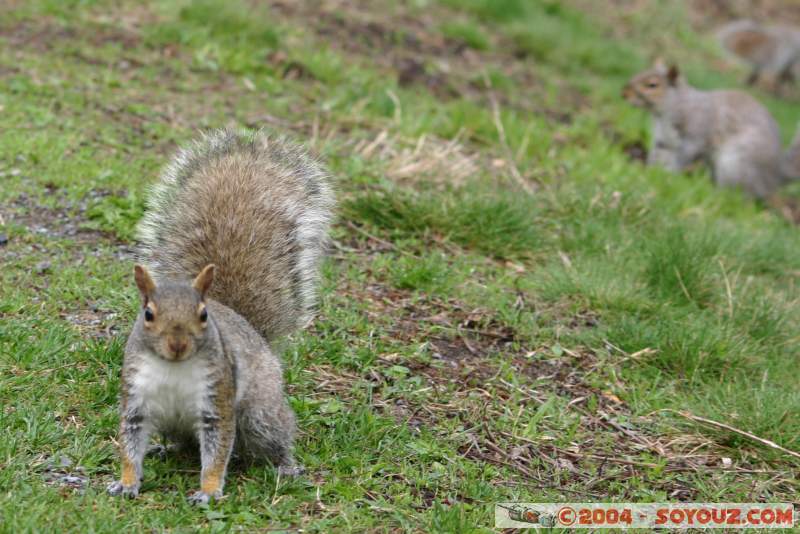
(173, 394)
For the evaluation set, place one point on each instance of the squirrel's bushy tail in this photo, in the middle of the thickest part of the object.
(772, 51)
(258, 207)
(749, 41)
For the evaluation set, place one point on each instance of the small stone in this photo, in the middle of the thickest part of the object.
(42, 267)
(516, 452)
(73, 481)
(3, 240)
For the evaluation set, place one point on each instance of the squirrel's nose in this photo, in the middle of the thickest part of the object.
(177, 346)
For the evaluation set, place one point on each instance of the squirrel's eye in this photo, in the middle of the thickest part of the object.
(148, 315)
(203, 315)
(652, 85)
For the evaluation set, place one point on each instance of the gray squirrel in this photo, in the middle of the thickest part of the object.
(230, 249)
(729, 130)
(772, 51)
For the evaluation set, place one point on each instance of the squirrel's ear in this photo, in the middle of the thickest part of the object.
(672, 74)
(660, 65)
(204, 279)
(144, 282)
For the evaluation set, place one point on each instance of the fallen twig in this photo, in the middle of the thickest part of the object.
(383, 242)
(735, 430)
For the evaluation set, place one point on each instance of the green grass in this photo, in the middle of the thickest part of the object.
(497, 223)
(232, 35)
(472, 337)
(468, 34)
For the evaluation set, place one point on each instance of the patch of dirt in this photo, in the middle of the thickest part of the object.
(363, 32)
(413, 48)
(65, 222)
(426, 158)
(463, 341)
(636, 151)
(7, 70)
(412, 71)
(60, 471)
(103, 34)
(787, 207)
(42, 36)
(46, 34)
(94, 321)
(400, 44)
(612, 445)
(584, 319)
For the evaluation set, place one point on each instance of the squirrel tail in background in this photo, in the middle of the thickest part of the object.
(258, 207)
(749, 41)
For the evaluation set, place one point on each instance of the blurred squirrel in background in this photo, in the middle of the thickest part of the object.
(230, 250)
(772, 51)
(729, 130)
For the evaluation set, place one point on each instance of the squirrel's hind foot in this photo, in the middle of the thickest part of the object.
(116, 489)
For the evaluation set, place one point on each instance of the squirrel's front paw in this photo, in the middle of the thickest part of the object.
(117, 488)
(201, 498)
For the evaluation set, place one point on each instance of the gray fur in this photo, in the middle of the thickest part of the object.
(199, 369)
(258, 207)
(728, 130)
(772, 51)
